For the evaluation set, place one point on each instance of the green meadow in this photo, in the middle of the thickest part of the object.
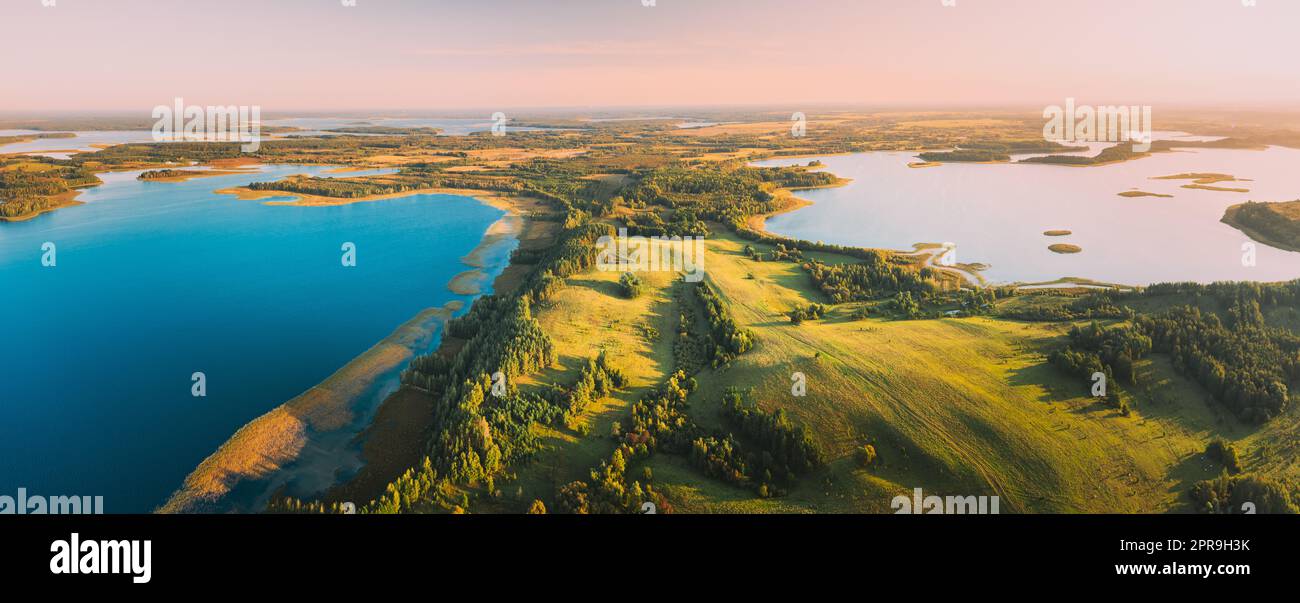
(955, 406)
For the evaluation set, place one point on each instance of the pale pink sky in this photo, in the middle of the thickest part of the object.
(288, 55)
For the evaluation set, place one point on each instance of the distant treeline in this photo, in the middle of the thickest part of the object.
(1119, 152)
(389, 130)
(998, 150)
(1030, 145)
(1125, 151)
(26, 137)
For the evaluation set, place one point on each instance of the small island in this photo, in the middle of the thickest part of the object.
(171, 175)
(965, 155)
(992, 151)
(1144, 194)
(1057, 233)
(1064, 248)
(164, 174)
(1120, 152)
(1127, 151)
(1204, 180)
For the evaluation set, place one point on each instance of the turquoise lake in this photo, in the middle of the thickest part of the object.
(155, 281)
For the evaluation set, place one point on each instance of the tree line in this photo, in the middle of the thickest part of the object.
(729, 339)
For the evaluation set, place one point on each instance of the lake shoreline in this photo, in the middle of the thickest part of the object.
(268, 449)
(267, 444)
(396, 438)
(758, 223)
(221, 167)
(1230, 218)
(68, 199)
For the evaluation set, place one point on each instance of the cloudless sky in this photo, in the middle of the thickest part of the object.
(288, 55)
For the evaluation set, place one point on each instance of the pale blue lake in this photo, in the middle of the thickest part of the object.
(996, 214)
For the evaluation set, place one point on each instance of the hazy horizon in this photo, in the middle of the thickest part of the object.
(620, 55)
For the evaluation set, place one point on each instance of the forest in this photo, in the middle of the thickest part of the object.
(875, 277)
(1244, 363)
(1278, 222)
(35, 183)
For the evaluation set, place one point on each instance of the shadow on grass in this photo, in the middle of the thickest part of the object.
(1195, 468)
(1049, 378)
(800, 282)
(609, 288)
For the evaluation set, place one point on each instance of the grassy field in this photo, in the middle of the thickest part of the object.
(587, 317)
(962, 406)
(955, 406)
